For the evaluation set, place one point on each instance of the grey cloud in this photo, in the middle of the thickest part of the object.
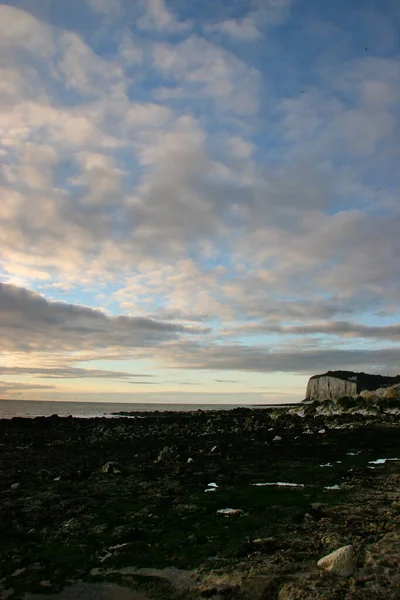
(261, 359)
(340, 328)
(144, 382)
(178, 315)
(69, 373)
(10, 386)
(29, 322)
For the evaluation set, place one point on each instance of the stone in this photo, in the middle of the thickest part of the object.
(15, 486)
(167, 454)
(111, 467)
(340, 561)
(18, 572)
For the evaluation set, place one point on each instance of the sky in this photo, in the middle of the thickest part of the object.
(199, 199)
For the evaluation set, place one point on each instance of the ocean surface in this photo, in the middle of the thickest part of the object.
(34, 408)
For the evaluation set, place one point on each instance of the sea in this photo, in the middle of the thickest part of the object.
(36, 408)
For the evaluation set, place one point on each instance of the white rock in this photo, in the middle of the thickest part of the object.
(190, 460)
(277, 438)
(15, 486)
(340, 562)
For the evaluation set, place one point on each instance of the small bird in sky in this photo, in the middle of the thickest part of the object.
(366, 48)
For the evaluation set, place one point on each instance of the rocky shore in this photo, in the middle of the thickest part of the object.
(238, 504)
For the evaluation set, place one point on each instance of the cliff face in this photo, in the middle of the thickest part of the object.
(336, 384)
(327, 387)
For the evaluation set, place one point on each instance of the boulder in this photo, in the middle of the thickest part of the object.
(340, 562)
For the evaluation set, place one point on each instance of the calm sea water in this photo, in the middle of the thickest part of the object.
(34, 408)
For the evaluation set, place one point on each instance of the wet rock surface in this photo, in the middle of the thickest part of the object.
(116, 502)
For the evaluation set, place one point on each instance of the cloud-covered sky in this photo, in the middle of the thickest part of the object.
(199, 200)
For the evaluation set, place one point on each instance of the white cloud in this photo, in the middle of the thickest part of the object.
(23, 31)
(83, 70)
(265, 14)
(100, 178)
(240, 29)
(212, 72)
(239, 148)
(106, 7)
(157, 16)
(130, 49)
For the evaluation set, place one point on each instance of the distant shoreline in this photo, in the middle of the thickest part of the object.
(275, 405)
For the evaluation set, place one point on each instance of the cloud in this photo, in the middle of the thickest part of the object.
(22, 31)
(9, 389)
(240, 29)
(211, 71)
(105, 7)
(343, 329)
(158, 17)
(99, 177)
(30, 323)
(266, 14)
(71, 373)
(130, 49)
(263, 360)
(190, 182)
(83, 70)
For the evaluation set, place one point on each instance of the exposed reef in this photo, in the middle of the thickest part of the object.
(238, 504)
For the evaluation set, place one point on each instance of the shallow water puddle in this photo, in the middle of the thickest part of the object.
(92, 591)
(279, 484)
(381, 461)
(211, 487)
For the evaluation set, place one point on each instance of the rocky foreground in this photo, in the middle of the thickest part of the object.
(235, 504)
